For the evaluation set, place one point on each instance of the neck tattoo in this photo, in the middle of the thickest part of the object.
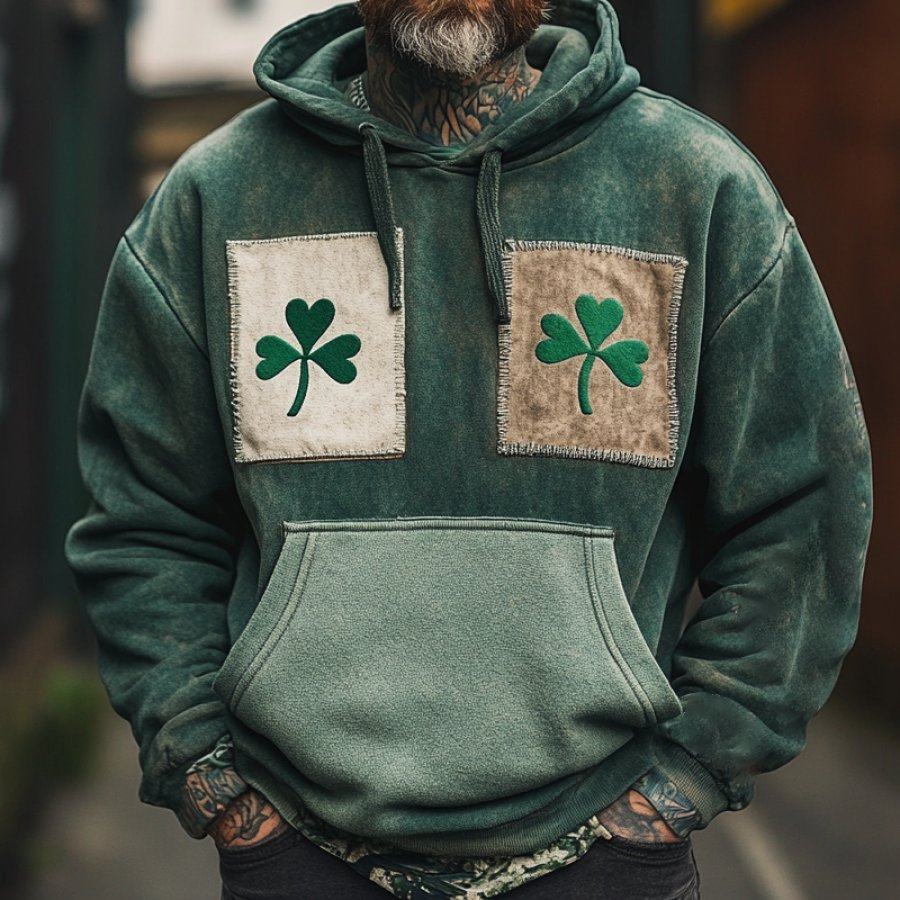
(444, 110)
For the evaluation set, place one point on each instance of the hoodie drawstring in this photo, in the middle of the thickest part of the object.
(487, 208)
(375, 160)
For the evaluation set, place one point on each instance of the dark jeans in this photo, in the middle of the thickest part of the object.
(289, 867)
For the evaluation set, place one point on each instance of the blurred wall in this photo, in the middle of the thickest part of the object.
(65, 195)
(816, 95)
(68, 161)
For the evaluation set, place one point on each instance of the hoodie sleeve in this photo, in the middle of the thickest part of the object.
(154, 556)
(780, 443)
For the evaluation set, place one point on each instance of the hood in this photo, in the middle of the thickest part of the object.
(307, 67)
(308, 64)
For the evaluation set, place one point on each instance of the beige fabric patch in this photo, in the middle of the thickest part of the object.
(539, 413)
(363, 418)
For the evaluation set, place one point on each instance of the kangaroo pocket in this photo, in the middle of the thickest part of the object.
(444, 661)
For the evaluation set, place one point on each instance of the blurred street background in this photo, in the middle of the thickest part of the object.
(99, 97)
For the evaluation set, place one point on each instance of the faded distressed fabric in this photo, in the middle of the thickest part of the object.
(538, 403)
(192, 564)
(366, 417)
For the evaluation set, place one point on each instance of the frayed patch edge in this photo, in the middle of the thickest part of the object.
(515, 246)
(510, 448)
(399, 448)
(234, 315)
(679, 266)
(299, 238)
(385, 453)
(400, 352)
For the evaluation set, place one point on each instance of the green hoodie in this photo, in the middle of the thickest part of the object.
(404, 463)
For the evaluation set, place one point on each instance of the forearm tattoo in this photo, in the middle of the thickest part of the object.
(444, 110)
(632, 816)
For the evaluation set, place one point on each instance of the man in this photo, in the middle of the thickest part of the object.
(421, 396)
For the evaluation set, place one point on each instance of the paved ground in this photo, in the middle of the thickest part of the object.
(823, 828)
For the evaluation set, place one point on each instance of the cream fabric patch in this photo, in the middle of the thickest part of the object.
(317, 354)
(588, 361)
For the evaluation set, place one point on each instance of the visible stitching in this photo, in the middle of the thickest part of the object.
(234, 321)
(789, 227)
(608, 637)
(389, 453)
(624, 252)
(504, 341)
(275, 636)
(508, 448)
(678, 276)
(448, 523)
(276, 359)
(303, 237)
(159, 289)
(399, 356)
(511, 448)
(504, 349)
(400, 353)
(401, 259)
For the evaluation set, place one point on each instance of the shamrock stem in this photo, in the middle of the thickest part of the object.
(301, 390)
(584, 384)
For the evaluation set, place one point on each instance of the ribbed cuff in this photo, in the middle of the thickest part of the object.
(694, 780)
(174, 748)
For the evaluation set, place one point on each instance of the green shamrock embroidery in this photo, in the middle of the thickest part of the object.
(599, 321)
(308, 324)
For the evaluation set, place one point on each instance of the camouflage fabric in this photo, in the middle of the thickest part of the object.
(415, 877)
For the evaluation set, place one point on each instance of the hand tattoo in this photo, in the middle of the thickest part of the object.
(207, 793)
(672, 804)
(633, 817)
(248, 820)
(217, 801)
(210, 784)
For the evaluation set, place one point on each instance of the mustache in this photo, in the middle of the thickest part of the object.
(510, 16)
(457, 37)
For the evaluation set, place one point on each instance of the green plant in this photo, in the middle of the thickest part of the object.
(70, 722)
